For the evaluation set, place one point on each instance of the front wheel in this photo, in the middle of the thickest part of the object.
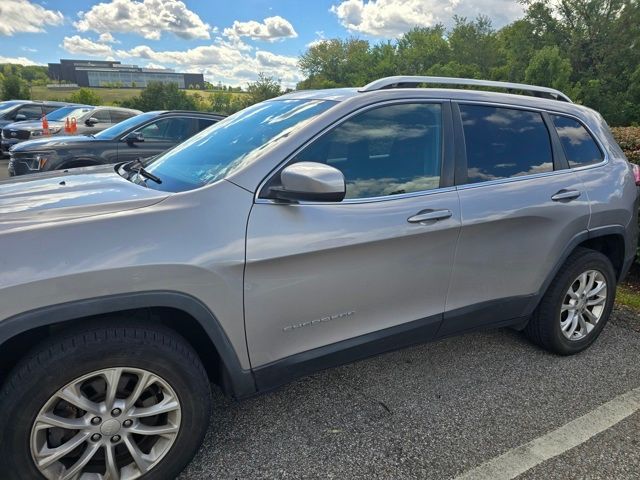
(108, 403)
(577, 304)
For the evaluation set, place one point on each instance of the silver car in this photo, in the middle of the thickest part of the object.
(303, 232)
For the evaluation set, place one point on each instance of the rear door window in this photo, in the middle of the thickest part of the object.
(504, 142)
(579, 146)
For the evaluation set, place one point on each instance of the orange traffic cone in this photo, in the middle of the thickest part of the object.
(74, 125)
(67, 126)
(45, 125)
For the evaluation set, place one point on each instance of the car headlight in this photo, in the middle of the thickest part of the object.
(36, 161)
(39, 133)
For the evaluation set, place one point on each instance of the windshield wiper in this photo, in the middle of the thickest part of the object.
(137, 166)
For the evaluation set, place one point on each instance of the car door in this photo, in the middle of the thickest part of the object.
(342, 280)
(521, 208)
(157, 136)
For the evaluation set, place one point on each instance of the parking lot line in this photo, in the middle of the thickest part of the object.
(520, 459)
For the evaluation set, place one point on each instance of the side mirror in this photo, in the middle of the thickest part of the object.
(90, 122)
(310, 181)
(20, 117)
(133, 137)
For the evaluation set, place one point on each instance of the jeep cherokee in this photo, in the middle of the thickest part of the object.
(303, 232)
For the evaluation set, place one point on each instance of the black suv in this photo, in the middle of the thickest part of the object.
(141, 136)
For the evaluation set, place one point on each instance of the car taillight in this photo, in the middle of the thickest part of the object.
(636, 173)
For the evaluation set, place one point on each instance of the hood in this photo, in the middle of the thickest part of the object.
(53, 142)
(59, 195)
(30, 125)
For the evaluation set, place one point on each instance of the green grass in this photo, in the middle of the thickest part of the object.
(628, 296)
(108, 95)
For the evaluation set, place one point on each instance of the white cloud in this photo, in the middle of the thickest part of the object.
(107, 38)
(84, 46)
(23, 16)
(392, 18)
(271, 29)
(150, 18)
(18, 60)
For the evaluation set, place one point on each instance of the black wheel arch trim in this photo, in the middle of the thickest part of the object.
(241, 381)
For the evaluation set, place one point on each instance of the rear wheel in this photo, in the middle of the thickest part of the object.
(108, 403)
(577, 304)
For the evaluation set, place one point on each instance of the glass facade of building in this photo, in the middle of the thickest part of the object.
(113, 77)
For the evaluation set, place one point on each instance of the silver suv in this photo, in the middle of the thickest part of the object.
(307, 231)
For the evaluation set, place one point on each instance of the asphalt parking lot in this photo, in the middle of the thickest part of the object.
(3, 168)
(437, 411)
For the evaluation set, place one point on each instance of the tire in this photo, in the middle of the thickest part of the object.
(546, 325)
(174, 371)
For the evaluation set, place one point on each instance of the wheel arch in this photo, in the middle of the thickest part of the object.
(184, 314)
(609, 240)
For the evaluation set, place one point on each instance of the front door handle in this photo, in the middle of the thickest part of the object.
(429, 215)
(565, 195)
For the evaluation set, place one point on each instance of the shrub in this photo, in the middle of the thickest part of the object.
(629, 140)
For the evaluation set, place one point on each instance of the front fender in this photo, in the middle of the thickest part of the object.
(241, 380)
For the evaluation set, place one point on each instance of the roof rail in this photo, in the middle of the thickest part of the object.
(414, 81)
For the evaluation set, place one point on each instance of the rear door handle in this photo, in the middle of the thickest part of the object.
(565, 195)
(429, 215)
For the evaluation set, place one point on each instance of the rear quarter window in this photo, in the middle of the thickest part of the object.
(579, 146)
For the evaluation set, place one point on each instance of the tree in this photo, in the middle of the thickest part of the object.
(161, 96)
(85, 96)
(421, 48)
(548, 68)
(14, 88)
(264, 88)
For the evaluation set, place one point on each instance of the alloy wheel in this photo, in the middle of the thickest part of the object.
(583, 305)
(111, 424)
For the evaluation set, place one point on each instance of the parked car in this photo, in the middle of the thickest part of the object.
(86, 120)
(141, 136)
(303, 232)
(20, 110)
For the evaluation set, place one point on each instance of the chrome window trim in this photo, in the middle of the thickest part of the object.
(499, 181)
(341, 120)
(353, 201)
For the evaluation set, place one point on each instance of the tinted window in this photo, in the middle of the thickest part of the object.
(205, 123)
(124, 126)
(31, 112)
(61, 114)
(578, 145)
(101, 115)
(119, 115)
(504, 142)
(169, 129)
(384, 151)
(51, 108)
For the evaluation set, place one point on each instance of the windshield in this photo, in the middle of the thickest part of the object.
(7, 106)
(61, 114)
(118, 129)
(231, 143)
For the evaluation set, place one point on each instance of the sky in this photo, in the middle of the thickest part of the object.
(228, 41)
